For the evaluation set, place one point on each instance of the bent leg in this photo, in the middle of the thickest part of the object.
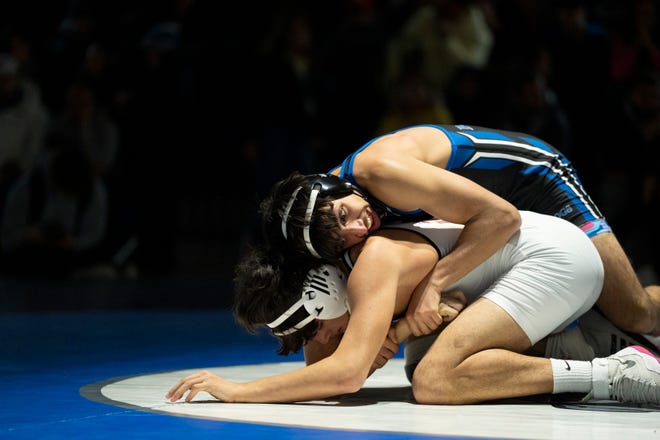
(624, 300)
(477, 358)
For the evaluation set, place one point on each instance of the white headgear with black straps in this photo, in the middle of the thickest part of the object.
(324, 296)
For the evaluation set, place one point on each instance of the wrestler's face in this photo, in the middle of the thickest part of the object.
(356, 219)
(331, 329)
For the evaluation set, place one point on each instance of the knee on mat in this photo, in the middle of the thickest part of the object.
(434, 386)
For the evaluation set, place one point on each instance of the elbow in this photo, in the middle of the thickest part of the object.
(352, 381)
(515, 219)
(345, 374)
(509, 218)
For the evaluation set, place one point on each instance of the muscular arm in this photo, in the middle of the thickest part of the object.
(315, 351)
(414, 259)
(405, 171)
(374, 287)
(343, 371)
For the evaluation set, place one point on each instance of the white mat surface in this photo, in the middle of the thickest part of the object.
(385, 404)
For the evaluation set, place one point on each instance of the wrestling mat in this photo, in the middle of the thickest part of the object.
(385, 404)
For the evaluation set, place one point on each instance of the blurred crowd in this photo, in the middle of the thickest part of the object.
(129, 126)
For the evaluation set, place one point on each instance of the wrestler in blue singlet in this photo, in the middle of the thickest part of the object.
(520, 168)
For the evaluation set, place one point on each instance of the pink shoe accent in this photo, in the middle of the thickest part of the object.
(645, 351)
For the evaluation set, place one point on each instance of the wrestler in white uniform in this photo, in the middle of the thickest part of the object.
(546, 276)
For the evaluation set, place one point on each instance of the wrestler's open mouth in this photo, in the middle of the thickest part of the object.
(372, 221)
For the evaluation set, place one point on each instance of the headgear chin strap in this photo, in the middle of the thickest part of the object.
(321, 185)
(323, 296)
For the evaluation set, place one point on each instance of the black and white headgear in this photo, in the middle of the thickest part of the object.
(321, 185)
(323, 296)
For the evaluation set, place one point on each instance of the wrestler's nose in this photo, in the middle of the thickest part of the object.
(358, 228)
(354, 232)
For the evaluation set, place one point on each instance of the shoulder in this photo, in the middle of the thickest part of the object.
(394, 246)
(425, 143)
(373, 247)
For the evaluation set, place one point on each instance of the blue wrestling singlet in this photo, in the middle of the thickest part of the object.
(524, 170)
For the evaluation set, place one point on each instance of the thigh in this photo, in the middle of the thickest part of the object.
(557, 277)
(623, 298)
(480, 326)
(621, 282)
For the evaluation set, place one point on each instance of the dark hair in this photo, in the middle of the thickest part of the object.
(265, 285)
(324, 226)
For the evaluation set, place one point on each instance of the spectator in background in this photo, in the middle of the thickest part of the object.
(65, 50)
(290, 99)
(578, 43)
(470, 96)
(413, 101)
(449, 34)
(19, 41)
(86, 123)
(533, 107)
(23, 121)
(99, 70)
(55, 215)
(157, 144)
(635, 42)
(352, 36)
(630, 188)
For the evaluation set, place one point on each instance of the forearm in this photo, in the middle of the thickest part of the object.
(328, 377)
(481, 237)
(318, 381)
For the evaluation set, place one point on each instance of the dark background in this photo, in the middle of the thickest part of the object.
(214, 101)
